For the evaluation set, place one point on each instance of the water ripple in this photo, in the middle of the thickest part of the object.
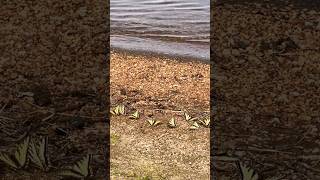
(177, 21)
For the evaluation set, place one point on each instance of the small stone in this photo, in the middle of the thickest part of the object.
(315, 150)
(77, 122)
(28, 94)
(240, 153)
(312, 12)
(305, 117)
(14, 75)
(295, 93)
(248, 119)
(42, 97)
(235, 52)
(226, 52)
(308, 24)
(61, 131)
(82, 11)
(148, 113)
(275, 120)
(318, 26)
(123, 91)
(42, 101)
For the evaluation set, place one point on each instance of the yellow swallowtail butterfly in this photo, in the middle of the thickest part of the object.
(172, 123)
(205, 121)
(153, 122)
(118, 110)
(194, 126)
(135, 115)
(189, 118)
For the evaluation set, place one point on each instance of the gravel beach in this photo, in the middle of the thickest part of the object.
(173, 82)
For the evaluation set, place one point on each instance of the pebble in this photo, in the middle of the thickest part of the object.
(318, 26)
(77, 122)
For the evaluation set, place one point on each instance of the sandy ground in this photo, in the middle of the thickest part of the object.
(158, 87)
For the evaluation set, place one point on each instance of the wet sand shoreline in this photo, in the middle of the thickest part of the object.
(161, 55)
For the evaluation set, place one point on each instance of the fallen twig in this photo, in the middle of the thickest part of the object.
(162, 135)
(263, 150)
(224, 158)
(309, 167)
(48, 117)
(74, 115)
(41, 109)
(4, 106)
(25, 133)
(167, 110)
(309, 157)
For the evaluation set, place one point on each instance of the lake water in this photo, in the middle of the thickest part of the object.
(173, 27)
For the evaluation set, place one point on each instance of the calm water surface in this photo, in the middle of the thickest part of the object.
(174, 27)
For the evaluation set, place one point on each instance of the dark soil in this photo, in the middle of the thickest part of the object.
(74, 123)
(53, 76)
(265, 91)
